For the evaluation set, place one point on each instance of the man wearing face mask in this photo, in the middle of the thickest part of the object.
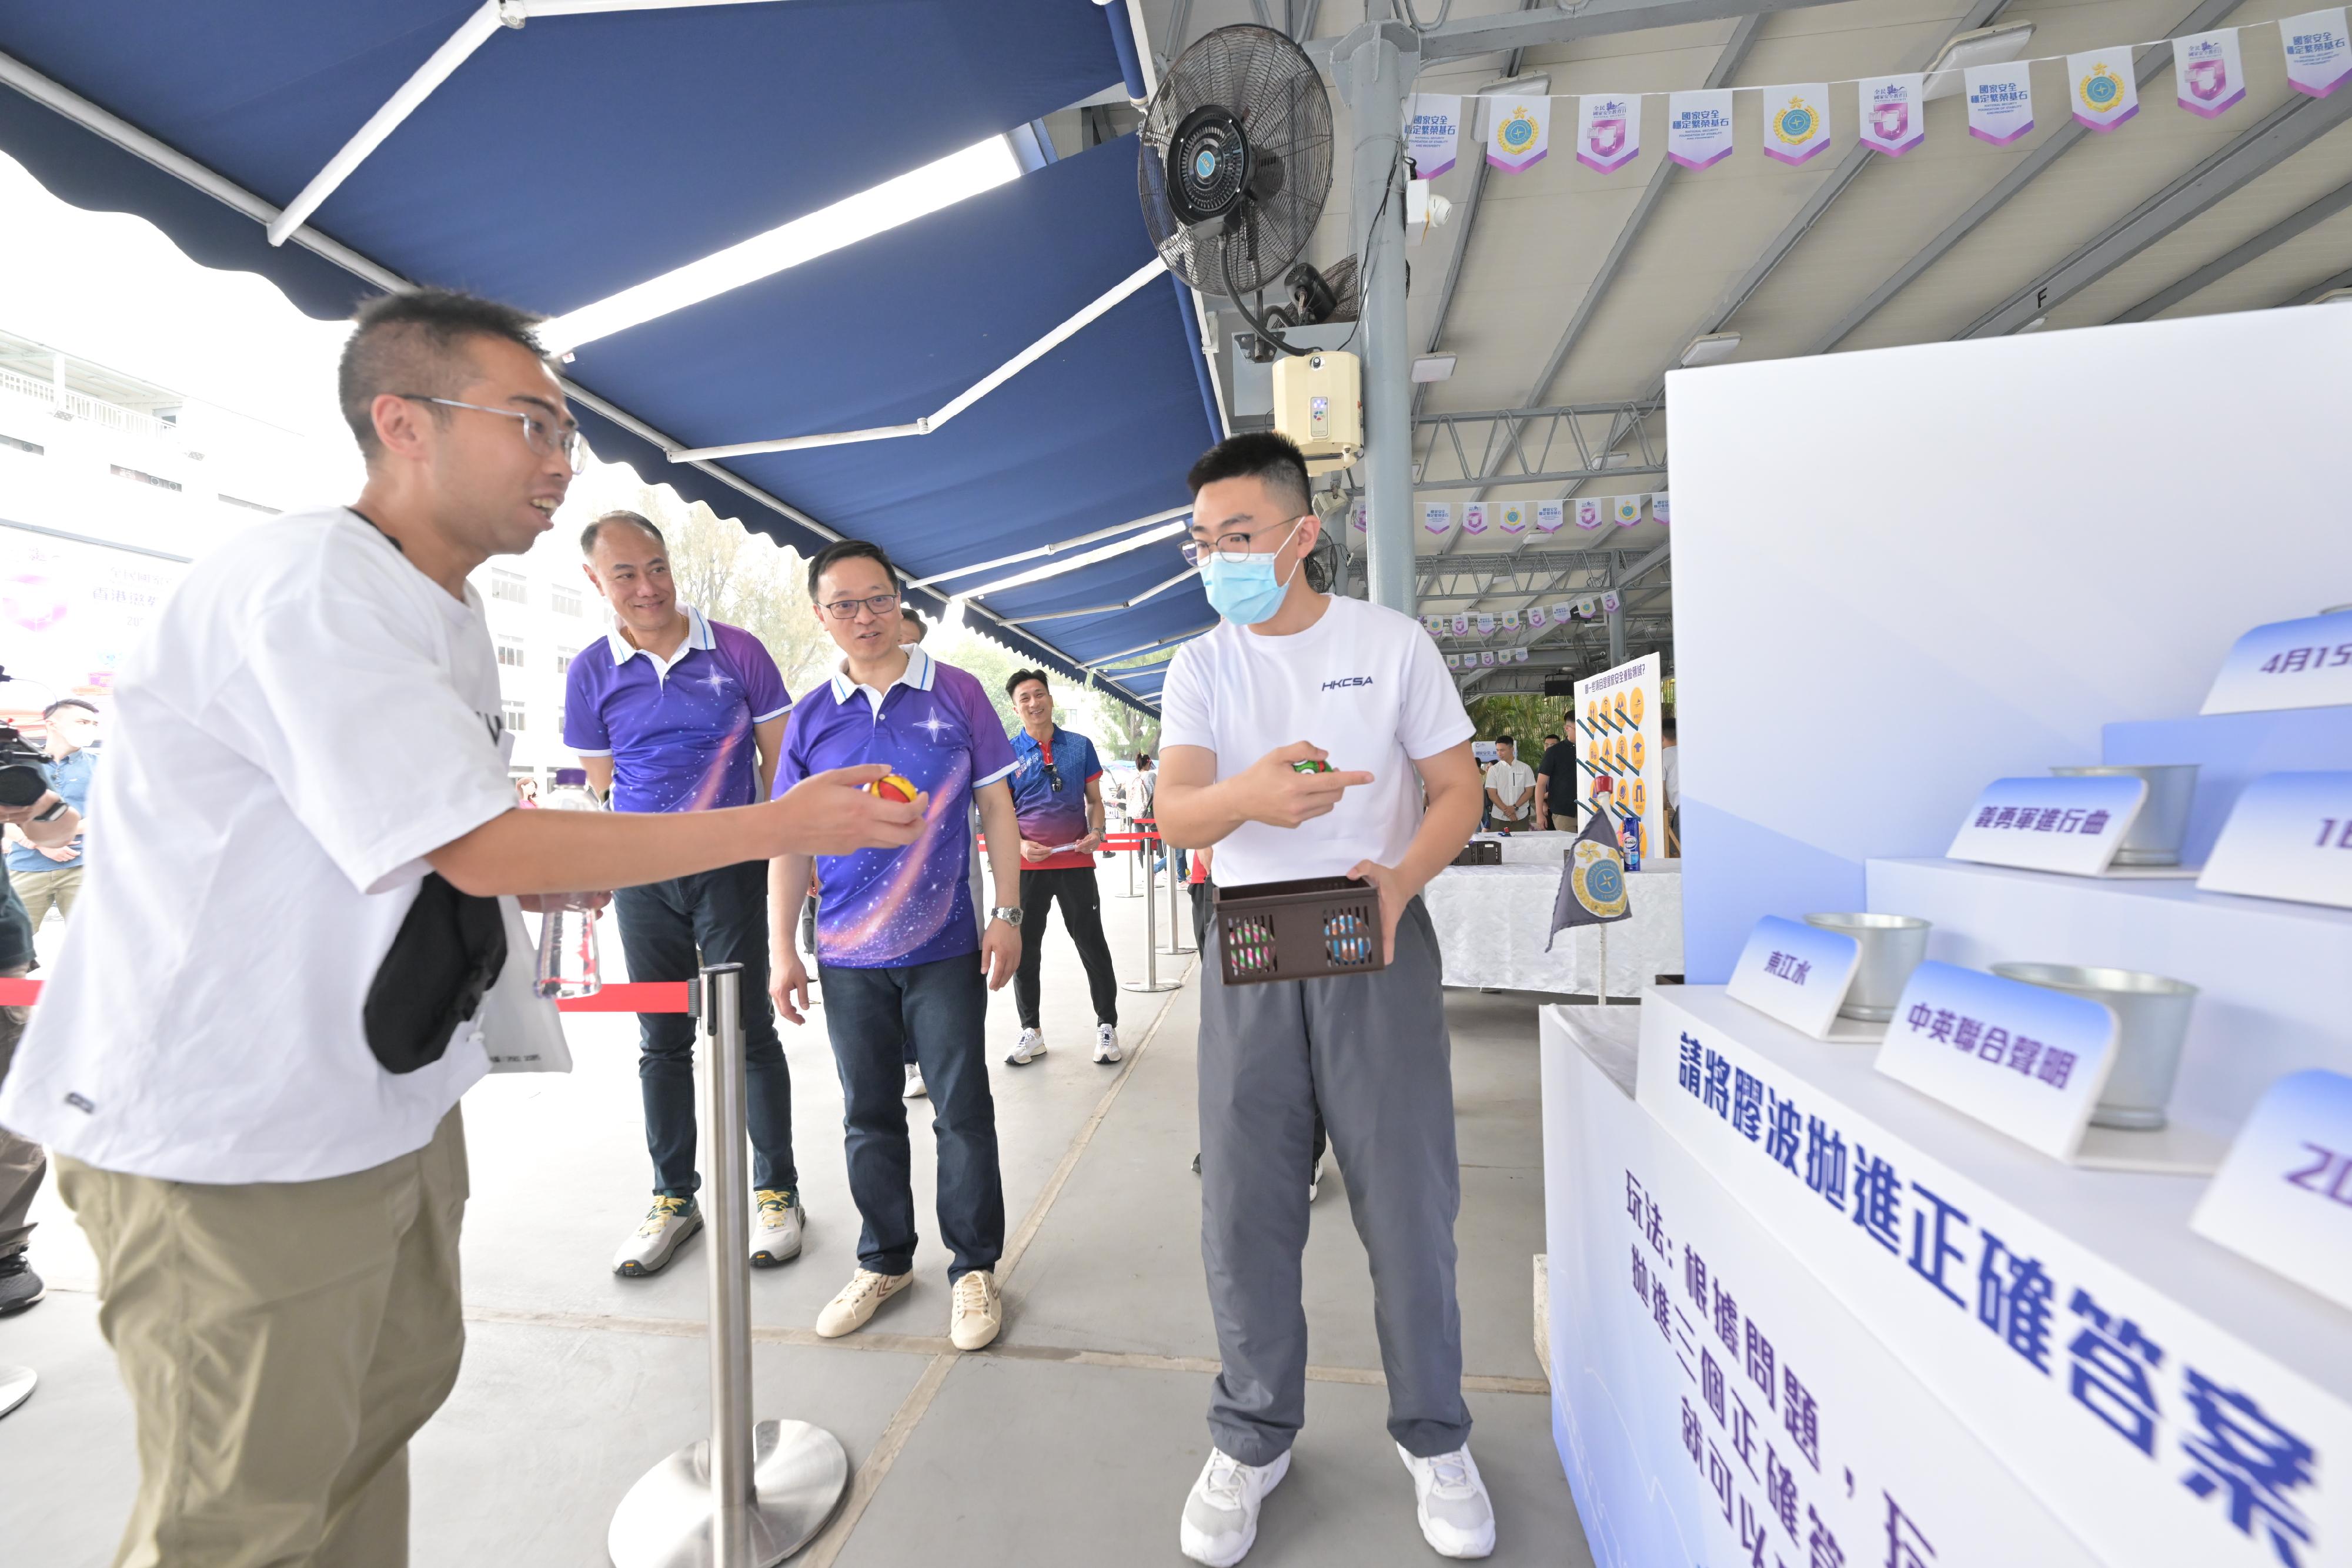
(1292, 676)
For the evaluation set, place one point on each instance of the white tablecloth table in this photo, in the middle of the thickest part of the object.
(1492, 922)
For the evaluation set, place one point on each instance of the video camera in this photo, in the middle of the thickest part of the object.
(24, 769)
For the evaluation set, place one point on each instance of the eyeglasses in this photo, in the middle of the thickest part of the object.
(1234, 545)
(543, 433)
(881, 604)
(1053, 777)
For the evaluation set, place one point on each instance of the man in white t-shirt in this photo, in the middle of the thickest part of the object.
(1295, 677)
(271, 994)
(1510, 788)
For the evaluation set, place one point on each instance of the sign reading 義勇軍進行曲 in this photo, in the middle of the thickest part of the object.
(2283, 1197)
(2023, 1060)
(2072, 824)
(2288, 663)
(2289, 836)
(1796, 973)
(2160, 1428)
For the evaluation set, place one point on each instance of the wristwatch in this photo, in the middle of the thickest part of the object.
(1010, 915)
(54, 812)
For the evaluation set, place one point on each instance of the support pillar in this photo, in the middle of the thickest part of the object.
(1375, 66)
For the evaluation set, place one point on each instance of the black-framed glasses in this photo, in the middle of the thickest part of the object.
(543, 434)
(1235, 546)
(1053, 777)
(881, 604)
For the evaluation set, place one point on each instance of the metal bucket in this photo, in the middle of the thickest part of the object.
(2151, 1024)
(2154, 838)
(1892, 946)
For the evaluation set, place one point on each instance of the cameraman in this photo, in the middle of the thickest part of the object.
(48, 876)
(48, 822)
(249, 1062)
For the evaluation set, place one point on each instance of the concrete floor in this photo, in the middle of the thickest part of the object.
(1079, 1430)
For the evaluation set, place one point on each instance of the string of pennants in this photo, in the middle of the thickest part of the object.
(1587, 512)
(1794, 127)
(1535, 618)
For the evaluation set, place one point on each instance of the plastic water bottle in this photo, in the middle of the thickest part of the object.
(567, 934)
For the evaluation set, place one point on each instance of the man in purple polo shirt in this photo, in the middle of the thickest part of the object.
(899, 954)
(673, 712)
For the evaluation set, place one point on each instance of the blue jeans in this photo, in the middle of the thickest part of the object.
(941, 1008)
(722, 916)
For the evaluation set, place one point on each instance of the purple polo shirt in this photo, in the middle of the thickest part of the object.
(679, 733)
(888, 909)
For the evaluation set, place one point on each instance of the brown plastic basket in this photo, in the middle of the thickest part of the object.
(1304, 930)
(1480, 852)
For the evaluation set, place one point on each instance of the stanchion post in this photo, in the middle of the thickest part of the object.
(1152, 980)
(1177, 946)
(750, 1495)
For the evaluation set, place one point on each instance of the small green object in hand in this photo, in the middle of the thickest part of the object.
(1309, 765)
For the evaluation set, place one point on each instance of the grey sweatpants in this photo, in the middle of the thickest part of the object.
(1373, 1053)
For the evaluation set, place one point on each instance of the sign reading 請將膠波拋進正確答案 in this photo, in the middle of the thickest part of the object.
(1796, 973)
(2289, 836)
(2062, 823)
(2288, 663)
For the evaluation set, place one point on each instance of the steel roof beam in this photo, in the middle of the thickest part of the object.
(2312, 295)
(2264, 146)
(1593, 19)
(2261, 245)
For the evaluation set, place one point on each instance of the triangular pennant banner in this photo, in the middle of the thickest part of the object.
(1550, 516)
(1473, 516)
(1894, 117)
(1797, 122)
(1510, 620)
(2318, 51)
(1519, 132)
(2101, 88)
(2000, 101)
(1437, 517)
(1627, 511)
(1699, 127)
(1658, 507)
(1433, 122)
(2208, 77)
(1515, 518)
(1587, 512)
(1608, 130)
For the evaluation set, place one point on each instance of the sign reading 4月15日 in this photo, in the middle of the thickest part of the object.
(2288, 663)
(2283, 1197)
(2289, 836)
(2023, 1060)
(2063, 823)
(1795, 973)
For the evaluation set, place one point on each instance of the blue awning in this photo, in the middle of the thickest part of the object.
(577, 155)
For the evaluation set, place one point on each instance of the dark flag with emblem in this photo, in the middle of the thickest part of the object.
(1592, 882)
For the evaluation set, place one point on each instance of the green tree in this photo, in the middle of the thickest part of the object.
(1522, 716)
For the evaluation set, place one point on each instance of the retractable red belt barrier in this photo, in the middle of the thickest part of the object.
(635, 996)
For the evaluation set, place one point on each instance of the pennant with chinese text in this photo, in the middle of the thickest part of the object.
(1587, 512)
(2208, 77)
(1658, 507)
(2318, 51)
(2000, 101)
(1608, 130)
(1437, 517)
(1550, 516)
(1698, 127)
(1894, 113)
(1433, 122)
(1473, 516)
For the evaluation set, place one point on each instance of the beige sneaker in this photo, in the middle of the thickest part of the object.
(851, 1309)
(978, 1312)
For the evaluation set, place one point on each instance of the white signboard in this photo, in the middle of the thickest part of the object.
(2288, 663)
(71, 611)
(1796, 973)
(2071, 824)
(1617, 716)
(2023, 1060)
(2289, 836)
(2283, 1197)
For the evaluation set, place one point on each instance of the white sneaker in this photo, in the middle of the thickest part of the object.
(856, 1305)
(653, 1244)
(915, 1090)
(777, 1219)
(977, 1312)
(1456, 1518)
(1314, 1180)
(1220, 1521)
(1105, 1042)
(1032, 1047)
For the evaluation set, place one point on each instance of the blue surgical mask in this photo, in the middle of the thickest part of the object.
(1244, 591)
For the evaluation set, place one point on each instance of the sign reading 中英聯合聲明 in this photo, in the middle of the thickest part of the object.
(2023, 1060)
(2287, 664)
(2071, 824)
(2289, 836)
(2284, 1197)
(1795, 973)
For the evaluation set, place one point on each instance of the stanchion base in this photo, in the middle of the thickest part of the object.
(15, 1387)
(799, 1475)
(1149, 984)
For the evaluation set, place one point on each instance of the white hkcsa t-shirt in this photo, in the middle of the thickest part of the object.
(1363, 683)
(304, 718)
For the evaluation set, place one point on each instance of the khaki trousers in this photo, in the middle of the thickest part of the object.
(43, 890)
(281, 1341)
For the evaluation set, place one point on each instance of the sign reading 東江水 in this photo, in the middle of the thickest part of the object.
(2289, 836)
(2287, 664)
(2072, 824)
(2023, 1060)
(1795, 973)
